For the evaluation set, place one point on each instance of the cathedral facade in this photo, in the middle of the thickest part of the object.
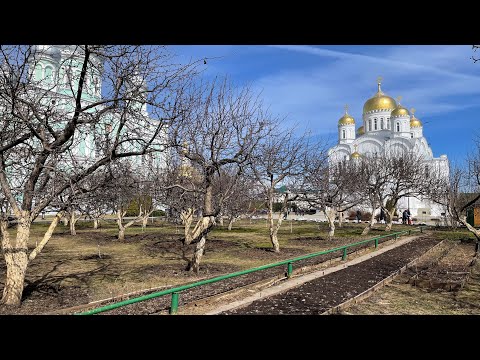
(389, 128)
(55, 72)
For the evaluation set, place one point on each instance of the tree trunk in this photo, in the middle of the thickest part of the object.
(16, 259)
(273, 233)
(220, 219)
(121, 228)
(390, 213)
(144, 222)
(370, 224)
(330, 215)
(340, 219)
(95, 223)
(73, 221)
(121, 234)
(463, 220)
(197, 256)
(187, 218)
(230, 222)
(208, 220)
(65, 221)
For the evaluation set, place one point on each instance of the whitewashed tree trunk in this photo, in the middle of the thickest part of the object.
(231, 220)
(144, 222)
(476, 232)
(370, 224)
(95, 223)
(197, 256)
(65, 221)
(121, 228)
(73, 222)
(187, 218)
(330, 215)
(16, 259)
(390, 214)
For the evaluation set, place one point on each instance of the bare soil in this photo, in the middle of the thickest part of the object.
(445, 282)
(317, 296)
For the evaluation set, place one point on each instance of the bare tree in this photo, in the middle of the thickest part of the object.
(332, 188)
(223, 127)
(279, 158)
(240, 199)
(373, 179)
(460, 191)
(50, 116)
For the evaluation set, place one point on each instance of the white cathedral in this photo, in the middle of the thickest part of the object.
(388, 127)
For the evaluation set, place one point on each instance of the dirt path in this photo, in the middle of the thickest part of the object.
(319, 295)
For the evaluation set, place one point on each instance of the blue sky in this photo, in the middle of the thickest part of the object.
(309, 85)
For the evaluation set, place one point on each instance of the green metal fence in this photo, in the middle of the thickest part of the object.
(289, 262)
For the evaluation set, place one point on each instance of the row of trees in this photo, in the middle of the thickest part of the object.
(224, 152)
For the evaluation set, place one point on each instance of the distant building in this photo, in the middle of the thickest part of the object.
(388, 127)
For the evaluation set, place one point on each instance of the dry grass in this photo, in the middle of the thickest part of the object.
(99, 266)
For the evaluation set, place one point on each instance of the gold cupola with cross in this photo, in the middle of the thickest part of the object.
(346, 128)
(399, 110)
(379, 101)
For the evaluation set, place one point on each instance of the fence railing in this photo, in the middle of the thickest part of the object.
(175, 292)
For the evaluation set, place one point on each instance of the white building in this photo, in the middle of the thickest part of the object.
(388, 127)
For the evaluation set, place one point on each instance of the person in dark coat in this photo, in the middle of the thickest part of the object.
(359, 216)
(382, 215)
(404, 217)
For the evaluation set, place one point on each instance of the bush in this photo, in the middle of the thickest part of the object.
(158, 213)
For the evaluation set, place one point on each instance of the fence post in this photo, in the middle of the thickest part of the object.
(174, 305)
(344, 257)
(289, 269)
(376, 243)
(421, 229)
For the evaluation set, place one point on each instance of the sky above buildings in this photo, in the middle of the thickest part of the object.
(310, 85)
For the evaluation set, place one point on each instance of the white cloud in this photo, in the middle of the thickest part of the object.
(433, 79)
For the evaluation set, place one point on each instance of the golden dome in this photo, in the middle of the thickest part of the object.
(361, 130)
(346, 119)
(379, 101)
(414, 122)
(399, 110)
(355, 155)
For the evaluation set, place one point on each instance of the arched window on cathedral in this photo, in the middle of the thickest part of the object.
(411, 135)
(48, 74)
(38, 72)
(369, 124)
(381, 124)
(374, 124)
(398, 126)
(388, 123)
(343, 134)
(427, 172)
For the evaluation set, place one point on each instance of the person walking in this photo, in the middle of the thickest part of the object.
(382, 215)
(404, 217)
(359, 216)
